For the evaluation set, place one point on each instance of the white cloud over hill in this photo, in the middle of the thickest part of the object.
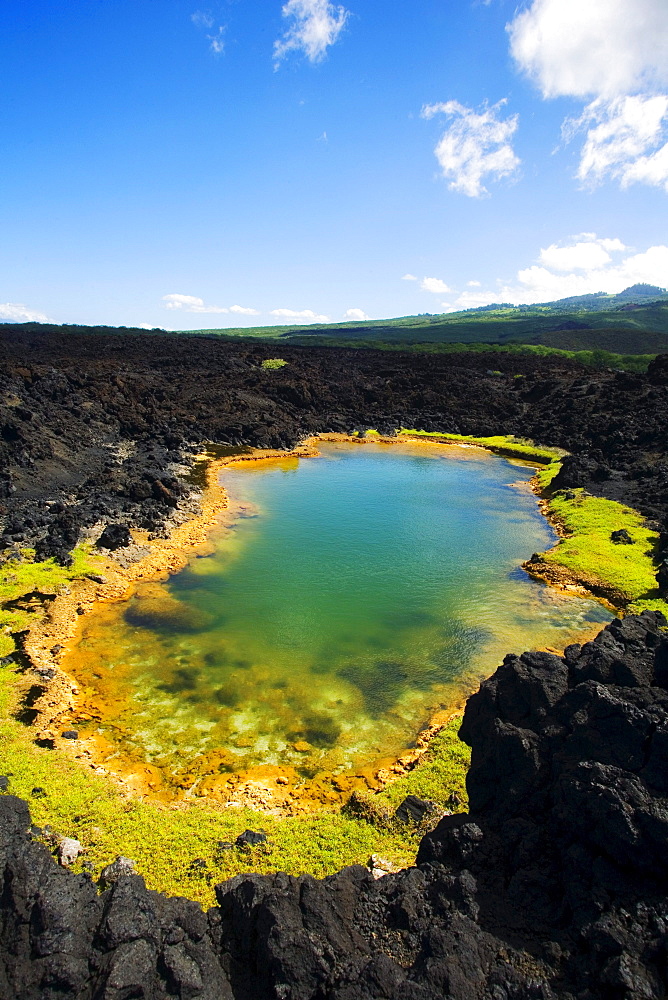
(193, 304)
(299, 316)
(16, 312)
(586, 265)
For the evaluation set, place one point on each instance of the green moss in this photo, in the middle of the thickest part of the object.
(626, 572)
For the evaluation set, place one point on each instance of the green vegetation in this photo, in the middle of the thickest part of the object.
(500, 444)
(22, 577)
(273, 363)
(440, 774)
(625, 572)
(177, 849)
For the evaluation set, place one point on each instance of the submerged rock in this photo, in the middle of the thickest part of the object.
(166, 614)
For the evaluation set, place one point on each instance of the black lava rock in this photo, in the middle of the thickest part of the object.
(414, 809)
(114, 536)
(621, 537)
(70, 734)
(251, 838)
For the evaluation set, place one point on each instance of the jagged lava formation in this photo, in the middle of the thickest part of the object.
(552, 886)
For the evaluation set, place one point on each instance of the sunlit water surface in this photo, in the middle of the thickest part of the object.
(368, 590)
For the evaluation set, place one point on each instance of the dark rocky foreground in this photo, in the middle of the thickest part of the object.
(94, 428)
(555, 885)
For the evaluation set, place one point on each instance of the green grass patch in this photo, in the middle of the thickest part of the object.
(167, 844)
(440, 774)
(176, 848)
(270, 364)
(500, 444)
(627, 572)
(22, 577)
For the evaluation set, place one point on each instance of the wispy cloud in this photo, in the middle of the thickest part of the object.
(299, 315)
(314, 26)
(206, 21)
(476, 146)
(16, 312)
(409, 277)
(616, 54)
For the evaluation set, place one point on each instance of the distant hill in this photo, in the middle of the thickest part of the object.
(634, 321)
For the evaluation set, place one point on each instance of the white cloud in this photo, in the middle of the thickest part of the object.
(615, 52)
(409, 277)
(602, 48)
(244, 311)
(587, 254)
(299, 315)
(475, 146)
(434, 285)
(627, 139)
(217, 41)
(204, 19)
(315, 25)
(580, 268)
(16, 312)
(190, 303)
(473, 284)
(355, 314)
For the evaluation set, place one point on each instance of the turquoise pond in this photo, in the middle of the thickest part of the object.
(355, 597)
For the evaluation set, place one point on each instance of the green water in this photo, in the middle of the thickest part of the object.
(369, 589)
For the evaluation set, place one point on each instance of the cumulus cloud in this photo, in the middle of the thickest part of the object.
(434, 285)
(476, 146)
(355, 314)
(581, 48)
(190, 303)
(314, 26)
(587, 265)
(16, 312)
(626, 139)
(587, 254)
(299, 315)
(615, 52)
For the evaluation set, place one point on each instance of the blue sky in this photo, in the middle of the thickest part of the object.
(238, 163)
